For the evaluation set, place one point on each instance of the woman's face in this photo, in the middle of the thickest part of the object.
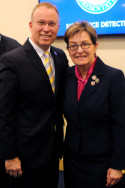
(85, 55)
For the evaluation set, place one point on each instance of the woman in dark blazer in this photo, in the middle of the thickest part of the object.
(94, 107)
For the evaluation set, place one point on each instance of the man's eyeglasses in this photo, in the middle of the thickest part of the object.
(50, 24)
(83, 46)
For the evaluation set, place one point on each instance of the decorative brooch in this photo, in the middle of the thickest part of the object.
(95, 80)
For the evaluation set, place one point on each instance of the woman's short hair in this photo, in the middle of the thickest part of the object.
(79, 27)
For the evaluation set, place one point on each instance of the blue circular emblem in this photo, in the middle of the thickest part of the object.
(96, 6)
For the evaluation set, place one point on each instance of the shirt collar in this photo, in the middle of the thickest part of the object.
(39, 51)
(78, 74)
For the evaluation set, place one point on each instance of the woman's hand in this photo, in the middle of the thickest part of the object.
(113, 177)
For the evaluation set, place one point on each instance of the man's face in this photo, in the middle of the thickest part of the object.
(44, 27)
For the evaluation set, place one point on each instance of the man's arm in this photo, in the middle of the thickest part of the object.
(13, 167)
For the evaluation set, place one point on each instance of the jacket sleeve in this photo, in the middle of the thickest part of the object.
(8, 92)
(117, 99)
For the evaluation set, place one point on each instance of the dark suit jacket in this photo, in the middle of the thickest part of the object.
(7, 44)
(29, 110)
(96, 124)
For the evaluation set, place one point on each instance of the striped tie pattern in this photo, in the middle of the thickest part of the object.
(49, 70)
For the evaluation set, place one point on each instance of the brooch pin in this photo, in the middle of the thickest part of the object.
(95, 80)
(94, 77)
(55, 53)
(92, 83)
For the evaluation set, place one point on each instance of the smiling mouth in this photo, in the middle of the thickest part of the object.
(81, 57)
(45, 36)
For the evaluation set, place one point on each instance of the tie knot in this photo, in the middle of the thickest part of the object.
(46, 53)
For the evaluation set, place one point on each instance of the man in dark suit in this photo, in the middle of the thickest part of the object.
(6, 44)
(31, 123)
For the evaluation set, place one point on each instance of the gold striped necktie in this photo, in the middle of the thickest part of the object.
(49, 70)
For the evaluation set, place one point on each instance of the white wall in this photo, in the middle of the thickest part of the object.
(14, 19)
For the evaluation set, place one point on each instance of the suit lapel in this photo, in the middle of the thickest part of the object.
(37, 62)
(73, 94)
(72, 86)
(91, 85)
(57, 69)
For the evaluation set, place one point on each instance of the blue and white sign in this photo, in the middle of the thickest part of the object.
(96, 6)
(106, 16)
